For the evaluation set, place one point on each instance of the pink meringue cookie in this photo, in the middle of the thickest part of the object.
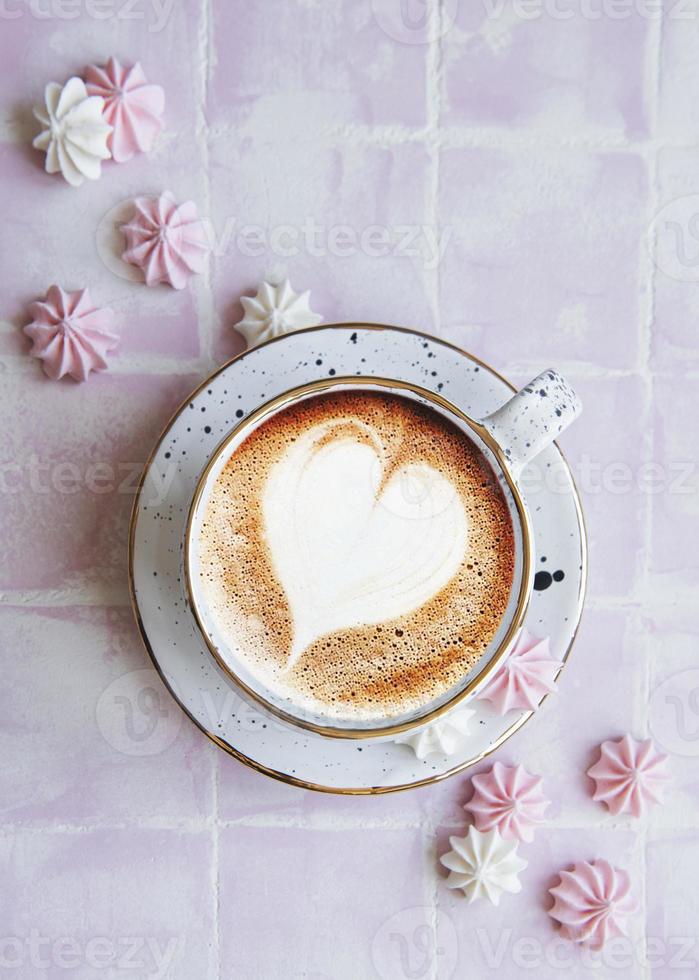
(509, 799)
(592, 903)
(165, 240)
(132, 107)
(70, 334)
(629, 775)
(526, 676)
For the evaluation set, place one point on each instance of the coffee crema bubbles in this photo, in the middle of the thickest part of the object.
(357, 554)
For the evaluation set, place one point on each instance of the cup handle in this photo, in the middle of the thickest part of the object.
(533, 418)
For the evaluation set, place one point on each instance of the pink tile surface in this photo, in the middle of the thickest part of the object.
(673, 688)
(282, 83)
(70, 471)
(554, 158)
(328, 941)
(571, 73)
(348, 221)
(679, 77)
(671, 924)
(673, 242)
(112, 748)
(608, 456)
(544, 252)
(87, 903)
(674, 560)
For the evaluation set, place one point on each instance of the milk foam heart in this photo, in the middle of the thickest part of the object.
(352, 546)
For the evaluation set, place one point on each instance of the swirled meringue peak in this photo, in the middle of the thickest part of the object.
(132, 107)
(75, 135)
(70, 334)
(276, 310)
(526, 676)
(630, 776)
(508, 799)
(592, 903)
(483, 865)
(166, 241)
(443, 737)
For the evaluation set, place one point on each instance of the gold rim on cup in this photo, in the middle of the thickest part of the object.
(367, 381)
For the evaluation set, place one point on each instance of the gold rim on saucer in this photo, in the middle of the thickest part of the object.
(259, 767)
(526, 580)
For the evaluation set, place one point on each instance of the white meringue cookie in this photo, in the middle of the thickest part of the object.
(442, 737)
(483, 865)
(75, 134)
(276, 310)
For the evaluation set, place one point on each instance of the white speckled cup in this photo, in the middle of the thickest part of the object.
(508, 439)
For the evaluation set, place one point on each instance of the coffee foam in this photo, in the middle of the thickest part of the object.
(358, 554)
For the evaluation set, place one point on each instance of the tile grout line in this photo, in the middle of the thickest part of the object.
(328, 824)
(216, 859)
(467, 137)
(433, 81)
(204, 288)
(455, 137)
(205, 324)
(646, 340)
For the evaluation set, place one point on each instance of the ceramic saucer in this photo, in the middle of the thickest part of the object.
(167, 625)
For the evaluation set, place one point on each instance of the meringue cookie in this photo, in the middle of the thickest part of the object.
(70, 334)
(75, 135)
(509, 799)
(442, 737)
(526, 676)
(592, 903)
(275, 310)
(166, 241)
(629, 775)
(483, 865)
(132, 107)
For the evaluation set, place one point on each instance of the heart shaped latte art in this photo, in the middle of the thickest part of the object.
(353, 540)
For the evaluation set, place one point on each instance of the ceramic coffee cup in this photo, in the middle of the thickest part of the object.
(507, 439)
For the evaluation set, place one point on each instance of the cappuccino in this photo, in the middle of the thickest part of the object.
(357, 554)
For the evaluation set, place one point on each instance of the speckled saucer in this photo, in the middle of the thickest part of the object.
(157, 535)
